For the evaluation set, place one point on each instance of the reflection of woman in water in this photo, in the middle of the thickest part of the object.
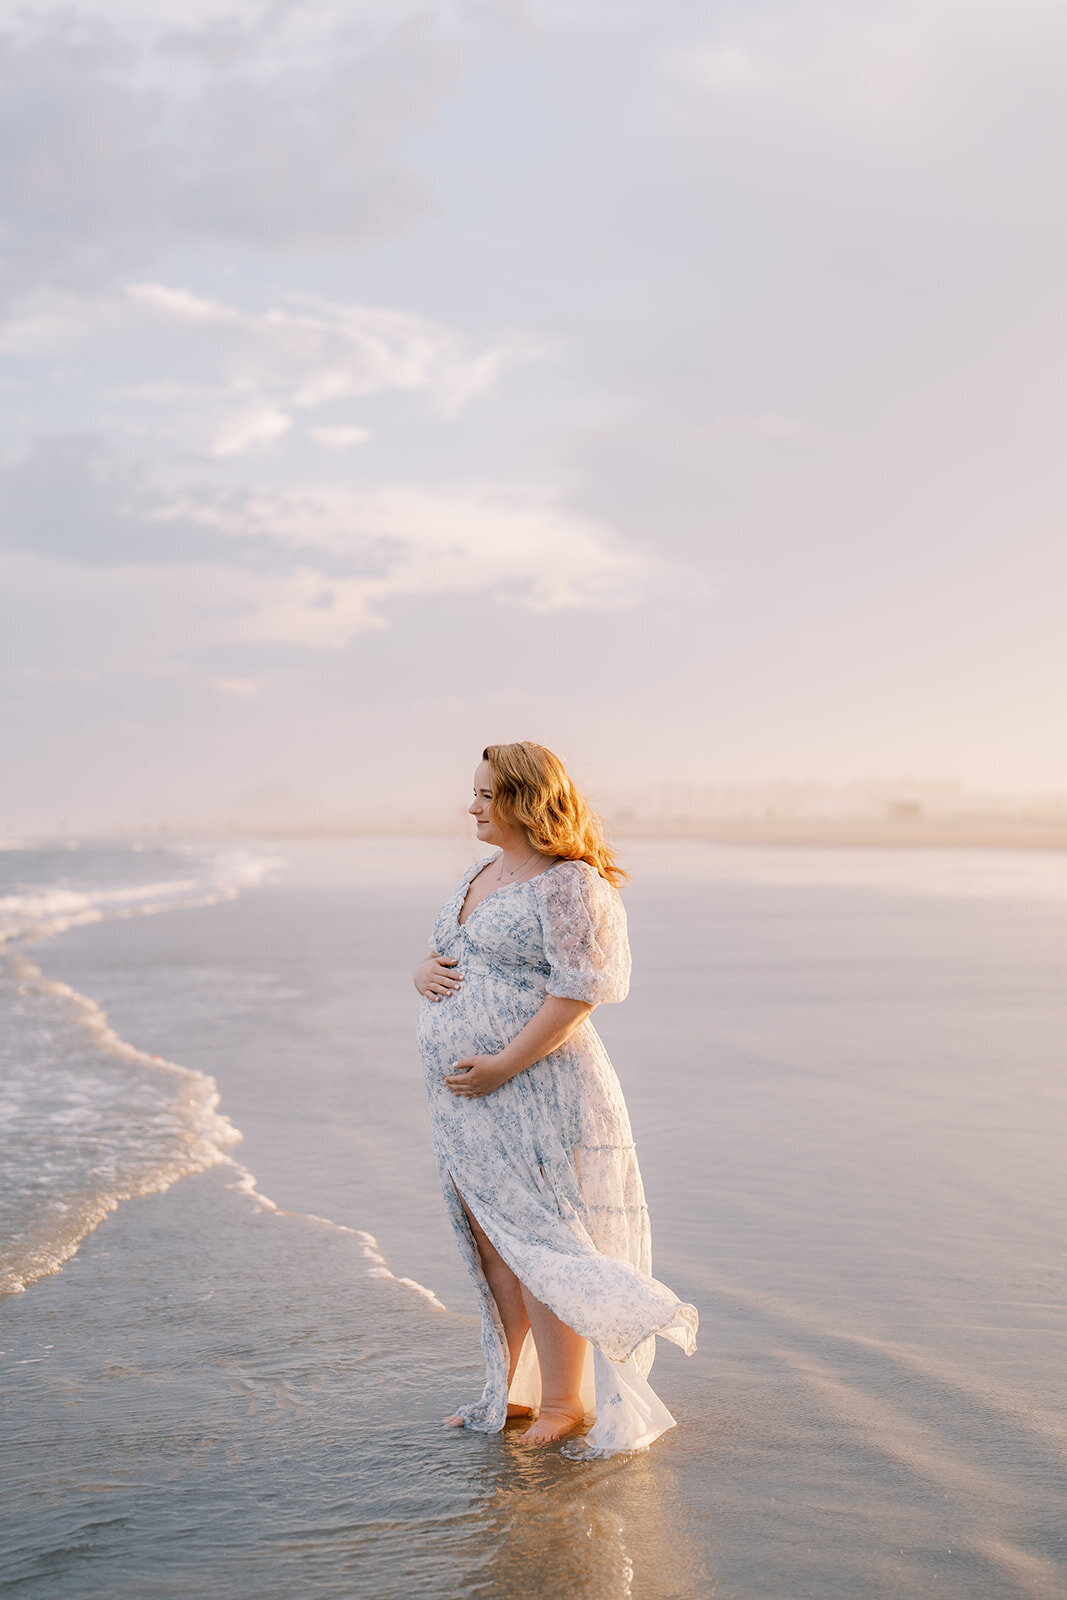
(532, 1138)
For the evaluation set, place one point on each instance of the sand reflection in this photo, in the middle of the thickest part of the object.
(606, 1529)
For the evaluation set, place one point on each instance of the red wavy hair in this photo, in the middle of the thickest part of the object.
(531, 790)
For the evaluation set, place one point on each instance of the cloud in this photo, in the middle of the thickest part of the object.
(246, 430)
(511, 548)
(310, 566)
(71, 497)
(212, 378)
(311, 351)
(47, 322)
(339, 438)
(121, 140)
(516, 544)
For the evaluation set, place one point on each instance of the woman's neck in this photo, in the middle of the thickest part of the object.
(517, 855)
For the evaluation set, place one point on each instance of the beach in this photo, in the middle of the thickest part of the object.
(844, 1070)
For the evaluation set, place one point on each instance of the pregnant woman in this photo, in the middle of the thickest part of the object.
(531, 1134)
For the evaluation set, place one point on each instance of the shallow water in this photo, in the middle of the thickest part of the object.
(849, 1102)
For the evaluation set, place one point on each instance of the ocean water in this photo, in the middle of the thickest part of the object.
(234, 1315)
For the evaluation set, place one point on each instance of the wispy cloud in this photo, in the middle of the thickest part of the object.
(310, 352)
(341, 437)
(246, 371)
(249, 430)
(313, 565)
(516, 544)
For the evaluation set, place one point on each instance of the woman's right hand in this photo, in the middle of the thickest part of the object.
(434, 979)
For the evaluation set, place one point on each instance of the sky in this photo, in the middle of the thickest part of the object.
(679, 385)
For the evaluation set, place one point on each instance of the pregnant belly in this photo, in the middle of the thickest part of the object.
(481, 1018)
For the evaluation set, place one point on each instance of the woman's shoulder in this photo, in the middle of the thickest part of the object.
(482, 861)
(474, 869)
(571, 876)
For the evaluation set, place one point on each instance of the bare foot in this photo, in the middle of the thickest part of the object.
(552, 1423)
(456, 1421)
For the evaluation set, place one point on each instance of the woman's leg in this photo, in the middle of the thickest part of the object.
(560, 1351)
(561, 1356)
(508, 1293)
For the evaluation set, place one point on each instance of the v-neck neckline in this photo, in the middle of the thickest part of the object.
(488, 862)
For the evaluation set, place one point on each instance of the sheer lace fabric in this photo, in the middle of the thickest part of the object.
(546, 1162)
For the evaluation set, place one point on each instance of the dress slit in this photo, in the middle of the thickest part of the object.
(525, 1386)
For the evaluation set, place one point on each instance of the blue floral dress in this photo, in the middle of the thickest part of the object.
(546, 1162)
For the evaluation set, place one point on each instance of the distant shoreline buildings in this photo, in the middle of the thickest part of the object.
(868, 800)
(890, 812)
(901, 811)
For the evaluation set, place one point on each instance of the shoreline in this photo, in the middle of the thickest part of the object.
(912, 833)
(907, 833)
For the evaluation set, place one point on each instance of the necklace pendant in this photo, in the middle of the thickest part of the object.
(512, 872)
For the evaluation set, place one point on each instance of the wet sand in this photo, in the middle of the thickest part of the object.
(850, 1108)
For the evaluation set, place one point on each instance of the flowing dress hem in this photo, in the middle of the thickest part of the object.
(682, 1329)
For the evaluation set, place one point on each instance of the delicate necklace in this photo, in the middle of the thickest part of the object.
(513, 873)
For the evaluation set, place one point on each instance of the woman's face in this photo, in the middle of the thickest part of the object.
(480, 807)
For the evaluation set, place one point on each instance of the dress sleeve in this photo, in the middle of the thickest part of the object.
(584, 925)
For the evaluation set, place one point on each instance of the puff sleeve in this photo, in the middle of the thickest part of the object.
(583, 922)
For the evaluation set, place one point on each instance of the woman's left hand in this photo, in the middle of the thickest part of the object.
(473, 1076)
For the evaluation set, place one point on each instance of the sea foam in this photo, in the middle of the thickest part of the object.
(89, 1120)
